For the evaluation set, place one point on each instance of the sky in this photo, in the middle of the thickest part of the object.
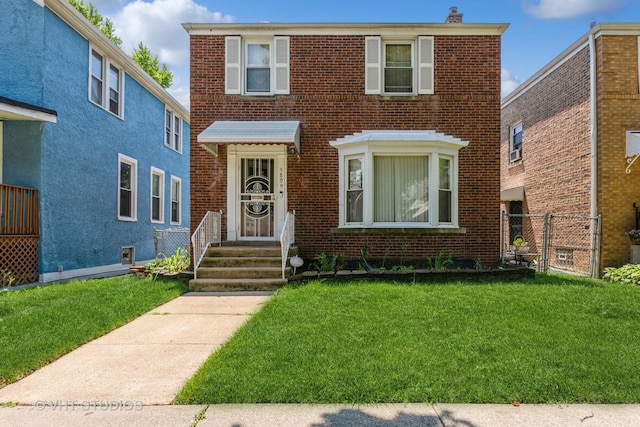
(538, 30)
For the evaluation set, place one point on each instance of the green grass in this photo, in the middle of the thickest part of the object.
(39, 325)
(548, 339)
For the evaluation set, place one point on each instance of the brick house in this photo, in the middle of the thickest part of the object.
(566, 135)
(384, 136)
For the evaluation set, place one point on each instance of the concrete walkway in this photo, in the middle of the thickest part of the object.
(130, 376)
(146, 361)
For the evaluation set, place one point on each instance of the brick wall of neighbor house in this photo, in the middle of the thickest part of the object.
(555, 166)
(327, 96)
(618, 111)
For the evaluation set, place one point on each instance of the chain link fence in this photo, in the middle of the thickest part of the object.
(168, 241)
(554, 243)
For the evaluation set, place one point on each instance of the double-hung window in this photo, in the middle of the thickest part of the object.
(515, 143)
(127, 188)
(105, 83)
(172, 130)
(398, 67)
(398, 179)
(176, 184)
(257, 66)
(157, 195)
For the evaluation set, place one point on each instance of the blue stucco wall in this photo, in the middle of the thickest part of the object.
(79, 190)
(21, 50)
(74, 162)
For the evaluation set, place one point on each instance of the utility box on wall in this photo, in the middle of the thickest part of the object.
(635, 254)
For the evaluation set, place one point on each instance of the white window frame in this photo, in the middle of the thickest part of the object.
(159, 173)
(173, 126)
(422, 59)
(105, 93)
(236, 65)
(176, 198)
(368, 150)
(515, 154)
(122, 159)
(414, 73)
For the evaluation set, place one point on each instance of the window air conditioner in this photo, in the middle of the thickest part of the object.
(515, 155)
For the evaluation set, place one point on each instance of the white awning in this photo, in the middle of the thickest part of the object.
(633, 143)
(285, 132)
(512, 194)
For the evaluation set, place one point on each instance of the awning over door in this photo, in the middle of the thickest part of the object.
(285, 132)
(512, 194)
(11, 109)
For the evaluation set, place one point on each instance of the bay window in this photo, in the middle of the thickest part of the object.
(398, 179)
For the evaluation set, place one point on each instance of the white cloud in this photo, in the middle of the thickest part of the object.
(565, 9)
(509, 82)
(157, 24)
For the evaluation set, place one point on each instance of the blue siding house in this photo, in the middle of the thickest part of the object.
(94, 154)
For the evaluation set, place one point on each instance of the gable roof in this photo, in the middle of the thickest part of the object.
(86, 29)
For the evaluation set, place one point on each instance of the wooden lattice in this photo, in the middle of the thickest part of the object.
(19, 255)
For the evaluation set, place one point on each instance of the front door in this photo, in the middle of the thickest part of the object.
(257, 198)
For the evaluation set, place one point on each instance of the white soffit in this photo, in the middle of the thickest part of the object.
(15, 110)
(285, 132)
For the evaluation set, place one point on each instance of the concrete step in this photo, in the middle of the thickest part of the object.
(241, 272)
(223, 285)
(241, 262)
(246, 251)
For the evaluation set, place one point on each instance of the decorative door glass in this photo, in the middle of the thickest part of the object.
(257, 198)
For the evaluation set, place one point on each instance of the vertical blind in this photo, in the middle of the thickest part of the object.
(401, 188)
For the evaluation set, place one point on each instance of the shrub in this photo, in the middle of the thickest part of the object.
(627, 274)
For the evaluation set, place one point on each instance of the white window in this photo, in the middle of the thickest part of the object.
(105, 83)
(398, 179)
(157, 195)
(172, 130)
(257, 67)
(176, 184)
(515, 143)
(396, 67)
(127, 188)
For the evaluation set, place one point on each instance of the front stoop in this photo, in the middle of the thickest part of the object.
(241, 268)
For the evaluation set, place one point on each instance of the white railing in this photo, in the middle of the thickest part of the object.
(207, 233)
(287, 237)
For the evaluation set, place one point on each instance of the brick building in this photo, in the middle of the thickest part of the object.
(565, 136)
(384, 136)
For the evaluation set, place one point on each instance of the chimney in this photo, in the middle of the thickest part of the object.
(454, 17)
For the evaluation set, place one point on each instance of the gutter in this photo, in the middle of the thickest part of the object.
(594, 154)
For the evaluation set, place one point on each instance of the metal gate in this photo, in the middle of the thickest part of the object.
(554, 242)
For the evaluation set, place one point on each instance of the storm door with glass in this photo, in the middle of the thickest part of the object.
(257, 198)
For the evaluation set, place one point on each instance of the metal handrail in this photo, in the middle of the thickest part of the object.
(287, 237)
(207, 233)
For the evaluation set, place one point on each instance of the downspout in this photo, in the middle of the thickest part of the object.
(594, 151)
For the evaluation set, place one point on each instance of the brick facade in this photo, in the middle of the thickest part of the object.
(327, 97)
(555, 108)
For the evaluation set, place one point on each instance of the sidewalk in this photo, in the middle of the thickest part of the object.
(285, 415)
(145, 362)
(130, 376)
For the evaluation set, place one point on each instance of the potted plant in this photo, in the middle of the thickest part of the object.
(634, 236)
(520, 245)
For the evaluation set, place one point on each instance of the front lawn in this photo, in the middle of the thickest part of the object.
(546, 339)
(39, 325)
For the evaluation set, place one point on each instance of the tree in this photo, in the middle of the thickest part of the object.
(142, 56)
(103, 24)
